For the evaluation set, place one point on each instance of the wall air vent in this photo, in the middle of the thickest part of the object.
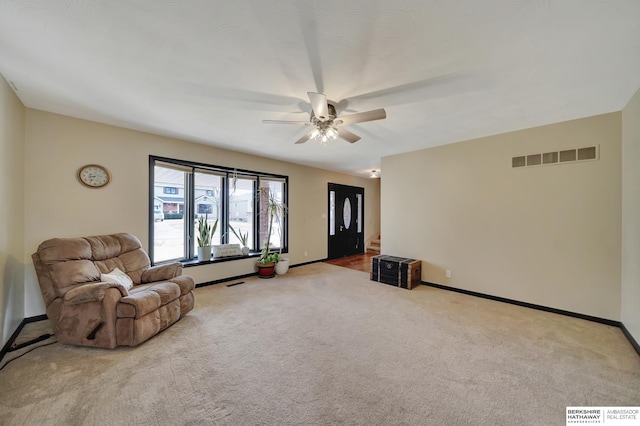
(587, 153)
(556, 157)
(534, 160)
(519, 161)
(567, 155)
(549, 157)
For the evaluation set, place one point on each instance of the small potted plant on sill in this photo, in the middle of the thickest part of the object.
(243, 239)
(205, 234)
(267, 261)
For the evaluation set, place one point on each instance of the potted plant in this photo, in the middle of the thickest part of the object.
(243, 239)
(205, 234)
(282, 266)
(267, 261)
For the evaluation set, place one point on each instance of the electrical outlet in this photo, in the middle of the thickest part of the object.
(448, 273)
(305, 253)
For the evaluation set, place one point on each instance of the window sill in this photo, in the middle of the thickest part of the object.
(196, 262)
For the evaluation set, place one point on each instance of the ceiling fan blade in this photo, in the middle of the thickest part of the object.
(347, 135)
(242, 97)
(376, 114)
(446, 85)
(303, 139)
(319, 105)
(303, 123)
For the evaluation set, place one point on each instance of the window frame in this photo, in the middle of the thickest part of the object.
(226, 173)
(174, 190)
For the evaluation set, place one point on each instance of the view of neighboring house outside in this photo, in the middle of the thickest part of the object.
(169, 198)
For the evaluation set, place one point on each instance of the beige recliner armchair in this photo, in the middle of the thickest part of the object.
(84, 283)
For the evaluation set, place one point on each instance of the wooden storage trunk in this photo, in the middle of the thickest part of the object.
(396, 271)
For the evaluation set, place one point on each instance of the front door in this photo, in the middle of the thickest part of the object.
(346, 220)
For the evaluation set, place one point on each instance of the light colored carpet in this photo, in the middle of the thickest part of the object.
(324, 345)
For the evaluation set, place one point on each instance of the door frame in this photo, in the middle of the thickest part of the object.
(355, 189)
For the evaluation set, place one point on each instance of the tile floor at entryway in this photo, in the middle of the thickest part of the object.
(359, 262)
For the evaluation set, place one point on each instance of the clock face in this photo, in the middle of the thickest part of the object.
(94, 176)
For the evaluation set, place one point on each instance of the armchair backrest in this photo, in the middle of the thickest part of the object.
(64, 263)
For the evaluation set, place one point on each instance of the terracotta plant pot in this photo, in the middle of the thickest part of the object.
(266, 270)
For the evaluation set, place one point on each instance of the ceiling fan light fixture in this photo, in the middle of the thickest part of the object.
(323, 133)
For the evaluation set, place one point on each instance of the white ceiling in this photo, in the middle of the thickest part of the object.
(211, 71)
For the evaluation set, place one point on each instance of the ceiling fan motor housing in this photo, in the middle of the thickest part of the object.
(332, 115)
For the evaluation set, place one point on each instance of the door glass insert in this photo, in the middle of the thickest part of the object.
(332, 212)
(359, 219)
(346, 213)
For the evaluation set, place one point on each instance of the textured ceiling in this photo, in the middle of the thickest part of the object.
(211, 71)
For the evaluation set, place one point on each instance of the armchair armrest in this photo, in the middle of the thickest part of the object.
(92, 292)
(161, 273)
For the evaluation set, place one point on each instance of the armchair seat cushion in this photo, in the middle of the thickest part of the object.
(85, 311)
(137, 305)
(166, 290)
(145, 298)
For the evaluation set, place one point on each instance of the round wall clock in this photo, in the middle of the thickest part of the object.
(94, 176)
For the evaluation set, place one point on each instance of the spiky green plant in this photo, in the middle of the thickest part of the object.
(240, 236)
(205, 231)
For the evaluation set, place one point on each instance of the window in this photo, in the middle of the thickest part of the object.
(241, 207)
(271, 188)
(209, 206)
(168, 242)
(233, 198)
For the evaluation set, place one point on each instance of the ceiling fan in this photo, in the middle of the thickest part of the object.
(326, 124)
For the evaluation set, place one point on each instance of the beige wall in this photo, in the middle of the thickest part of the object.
(631, 216)
(548, 235)
(12, 211)
(56, 205)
